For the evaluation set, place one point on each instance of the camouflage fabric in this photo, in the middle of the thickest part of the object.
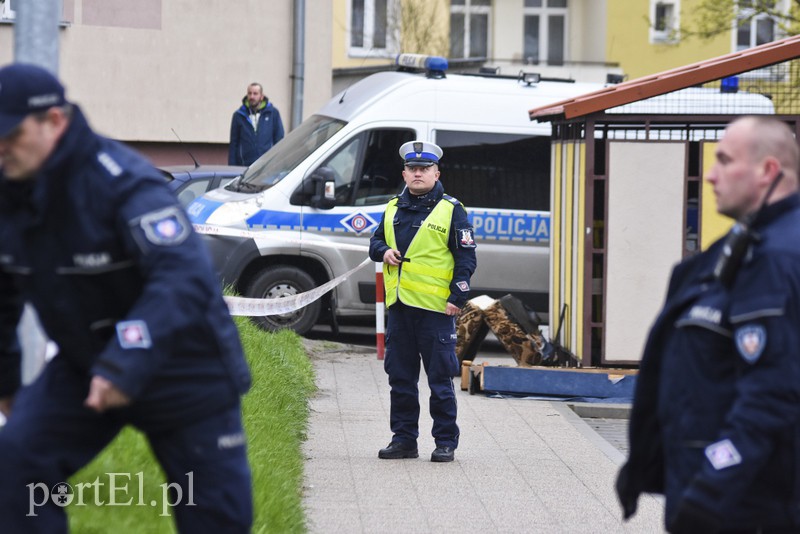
(525, 347)
(471, 330)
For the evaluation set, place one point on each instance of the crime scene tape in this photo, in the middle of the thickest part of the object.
(211, 229)
(261, 307)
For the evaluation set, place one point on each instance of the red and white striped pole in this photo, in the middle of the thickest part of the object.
(379, 309)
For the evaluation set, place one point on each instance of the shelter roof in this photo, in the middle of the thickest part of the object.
(671, 80)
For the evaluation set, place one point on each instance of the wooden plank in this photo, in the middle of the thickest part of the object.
(561, 382)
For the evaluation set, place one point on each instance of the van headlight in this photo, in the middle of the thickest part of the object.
(235, 213)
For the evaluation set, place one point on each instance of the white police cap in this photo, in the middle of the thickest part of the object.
(420, 153)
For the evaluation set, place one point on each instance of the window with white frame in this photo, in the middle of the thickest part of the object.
(545, 31)
(753, 29)
(665, 16)
(756, 29)
(469, 28)
(369, 27)
(7, 10)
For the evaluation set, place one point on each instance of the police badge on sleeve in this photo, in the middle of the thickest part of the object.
(133, 335)
(750, 341)
(466, 238)
(165, 227)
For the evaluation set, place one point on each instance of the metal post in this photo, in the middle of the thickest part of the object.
(298, 65)
(379, 310)
(36, 33)
(35, 41)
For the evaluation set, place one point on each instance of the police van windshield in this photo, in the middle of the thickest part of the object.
(270, 168)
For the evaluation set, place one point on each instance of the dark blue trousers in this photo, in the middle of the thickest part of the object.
(413, 334)
(51, 435)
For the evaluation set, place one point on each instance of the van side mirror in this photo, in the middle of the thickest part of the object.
(324, 195)
(317, 190)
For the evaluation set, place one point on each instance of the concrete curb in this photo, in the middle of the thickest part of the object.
(601, 410)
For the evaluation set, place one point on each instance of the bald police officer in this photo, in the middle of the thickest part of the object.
(715, 423)
(427, 247)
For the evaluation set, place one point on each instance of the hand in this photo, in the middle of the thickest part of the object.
(5, 406)
(451, 309)
(392, 257)
(627, 498)
(104, 395)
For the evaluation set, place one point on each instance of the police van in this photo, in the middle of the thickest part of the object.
(324, 187)
(333, 175)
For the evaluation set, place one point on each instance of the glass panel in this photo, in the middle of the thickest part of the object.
(531, 44)
(191, 191)
(598, 224)
(357, 24)
(555, 40)
(379, 35)
(298, 144)
(487, 170)
(456, 35)
(382, 177)
(765, 31)
(743, 36)
(481, 2)
(456, 2)
(478, 35)
(533, 3)
(692, 212)
(344, 166)
(556, 3)
(663, 17)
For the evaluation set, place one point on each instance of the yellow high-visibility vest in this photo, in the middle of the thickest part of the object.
(424, 280)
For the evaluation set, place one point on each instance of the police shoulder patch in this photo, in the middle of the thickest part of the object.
(463, 286)
(750, 341)
(167, 226)
(723, 454)
(454, 201)
(466, 238)
(133, 335)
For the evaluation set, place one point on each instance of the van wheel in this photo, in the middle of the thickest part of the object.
(284, 281)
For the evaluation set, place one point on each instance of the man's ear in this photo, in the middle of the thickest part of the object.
(57, 119)
(771, 169)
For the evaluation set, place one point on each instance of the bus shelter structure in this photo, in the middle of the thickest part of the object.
(628, 199)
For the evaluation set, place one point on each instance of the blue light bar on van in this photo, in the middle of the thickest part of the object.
(421, 61)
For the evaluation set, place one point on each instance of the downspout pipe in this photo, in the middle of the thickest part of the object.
(36, 27)
(36, 33)
(298, 62)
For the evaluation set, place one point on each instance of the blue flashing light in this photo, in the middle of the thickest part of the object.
(436, 63)
(729, 84)
(421, 61)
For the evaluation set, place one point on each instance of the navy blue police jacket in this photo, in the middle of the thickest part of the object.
(715, 423)
(411, 212)
(121, 283)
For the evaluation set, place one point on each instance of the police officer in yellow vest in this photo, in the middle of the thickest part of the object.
(427, 247)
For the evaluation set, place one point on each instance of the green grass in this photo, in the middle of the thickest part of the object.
(275, 417)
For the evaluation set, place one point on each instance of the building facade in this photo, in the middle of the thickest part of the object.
(650, 36)
(150, 71)
(556, 38)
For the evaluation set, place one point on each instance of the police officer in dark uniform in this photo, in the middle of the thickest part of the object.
(427, 247)
(93, 239)
(715, 424)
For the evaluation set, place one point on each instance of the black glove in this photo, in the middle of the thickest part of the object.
(628, 497)
(691, 518)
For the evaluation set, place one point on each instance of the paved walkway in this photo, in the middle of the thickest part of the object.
(523, 466)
